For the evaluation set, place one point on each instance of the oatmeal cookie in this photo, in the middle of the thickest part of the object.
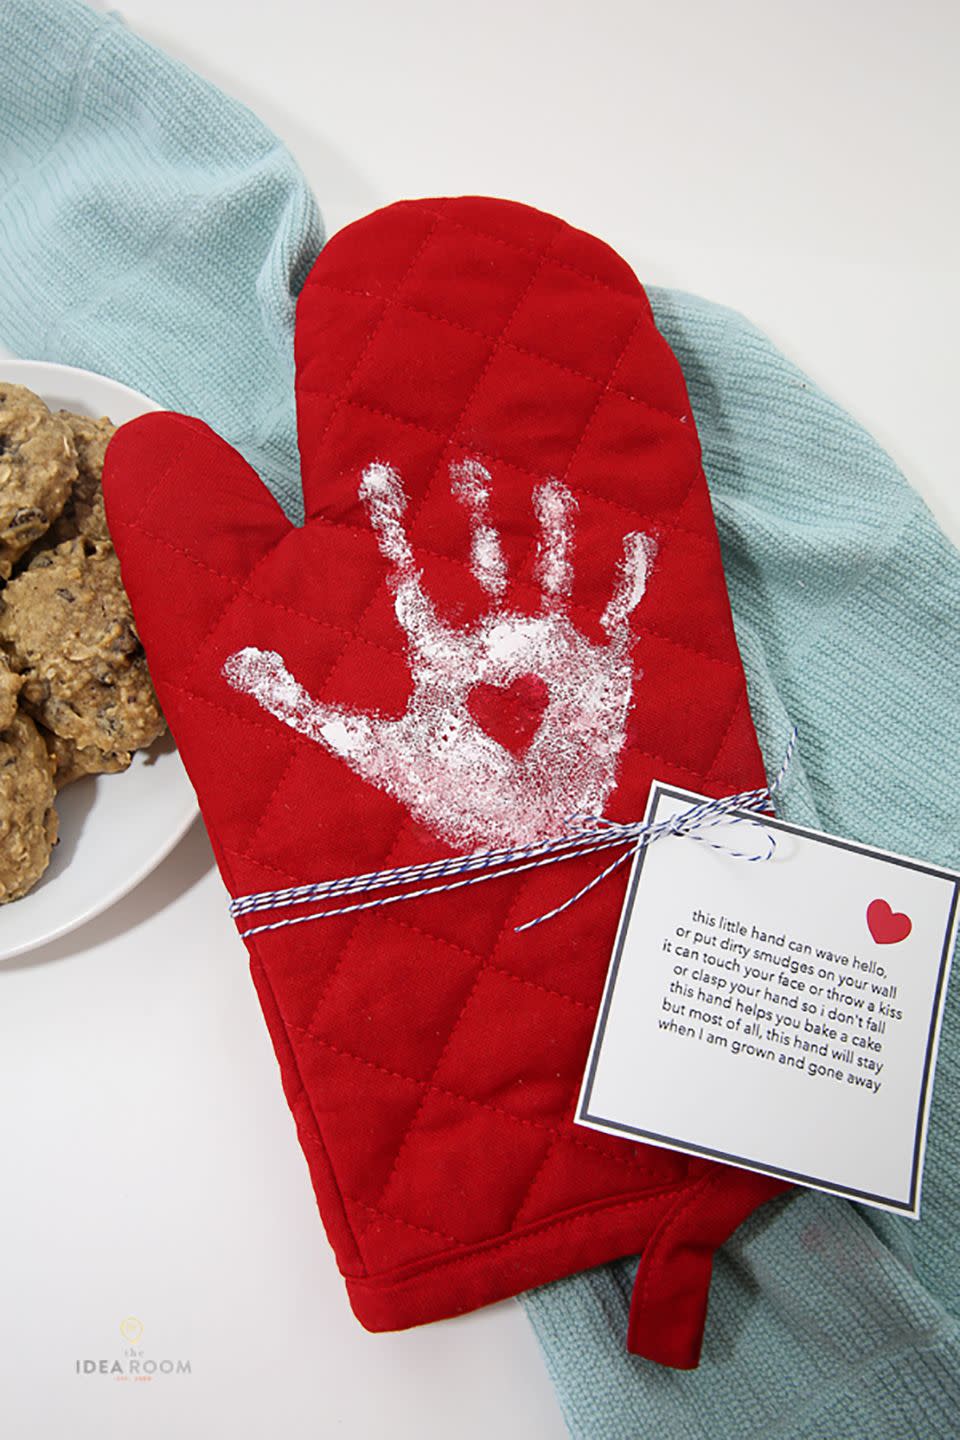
(38, 466)
(83, 514)
(10, 683)
(68, 630)
(73, 761)
(28, 820)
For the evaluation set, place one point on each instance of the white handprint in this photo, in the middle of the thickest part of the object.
(436, 759)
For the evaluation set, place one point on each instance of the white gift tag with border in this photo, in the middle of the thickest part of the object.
(779, 1015)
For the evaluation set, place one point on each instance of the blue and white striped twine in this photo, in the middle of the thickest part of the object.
(496, 864)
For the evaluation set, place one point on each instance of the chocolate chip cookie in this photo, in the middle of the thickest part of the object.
(84, 514)
(10, 683)
(38, 466)
(73, 761)
(67, 629)
(28, 820)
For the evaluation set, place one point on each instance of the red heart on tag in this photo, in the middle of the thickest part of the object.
(510, 714)
(887, 926)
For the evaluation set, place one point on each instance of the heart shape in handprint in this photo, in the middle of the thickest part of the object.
(510, 714)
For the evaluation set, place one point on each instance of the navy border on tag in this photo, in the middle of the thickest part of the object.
(659, 791)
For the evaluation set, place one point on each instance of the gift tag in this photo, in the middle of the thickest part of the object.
(774, 1002)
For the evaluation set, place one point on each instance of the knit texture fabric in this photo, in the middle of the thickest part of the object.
(154, 230)
(157, 231)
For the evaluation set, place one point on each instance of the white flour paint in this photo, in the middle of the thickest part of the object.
(554, 506)
(435, 759)
(469, 482)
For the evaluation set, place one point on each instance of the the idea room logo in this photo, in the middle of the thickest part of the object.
(133, 1363)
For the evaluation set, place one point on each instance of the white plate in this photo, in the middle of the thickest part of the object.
(114, 829)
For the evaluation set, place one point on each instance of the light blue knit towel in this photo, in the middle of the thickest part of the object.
(154, 230)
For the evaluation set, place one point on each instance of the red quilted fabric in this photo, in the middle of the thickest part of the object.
(466, 370)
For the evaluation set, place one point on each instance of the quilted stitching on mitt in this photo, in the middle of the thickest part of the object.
(483, 400)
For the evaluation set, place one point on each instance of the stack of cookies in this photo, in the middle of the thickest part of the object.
(75, 693)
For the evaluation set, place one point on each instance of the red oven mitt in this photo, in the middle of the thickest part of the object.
(506, 606)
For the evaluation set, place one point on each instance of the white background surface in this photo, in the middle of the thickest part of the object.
(795, 162)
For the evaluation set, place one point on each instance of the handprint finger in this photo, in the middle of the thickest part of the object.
(554, 507)
(469, 483)
(381, 492)
(263, 675)
(633, 572)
